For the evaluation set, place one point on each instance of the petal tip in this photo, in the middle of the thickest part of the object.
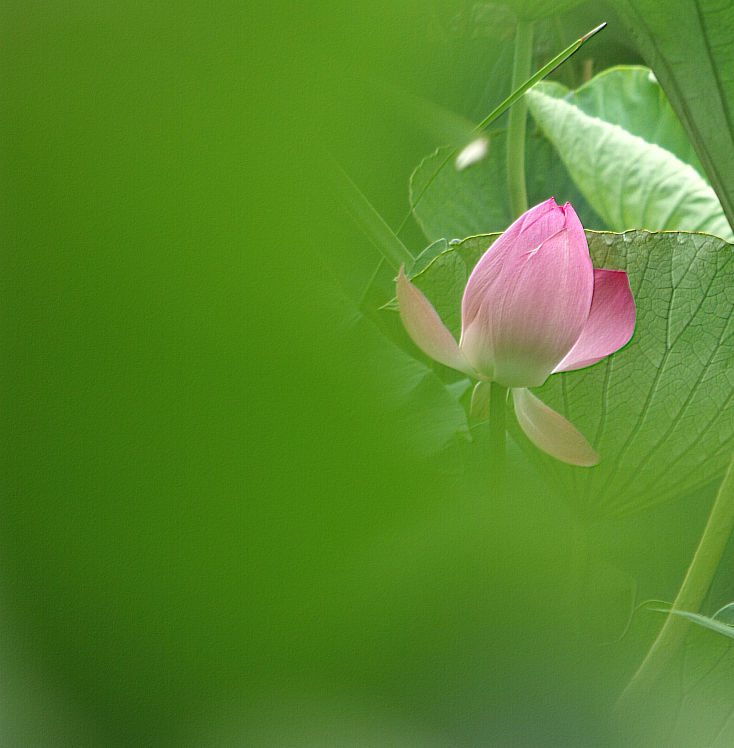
(591, 460)
(551, 432)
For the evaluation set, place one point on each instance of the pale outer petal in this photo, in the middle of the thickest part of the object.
(528, 298)
(425, 328)
(550, 431)
(610, 324)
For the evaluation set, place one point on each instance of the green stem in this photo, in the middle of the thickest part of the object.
(691, 594)
(516, 126)
(497, 432)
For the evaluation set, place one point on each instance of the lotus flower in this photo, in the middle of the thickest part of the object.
(533, 306)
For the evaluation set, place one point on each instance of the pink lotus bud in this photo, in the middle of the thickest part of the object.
(528, 298)
(532, 306)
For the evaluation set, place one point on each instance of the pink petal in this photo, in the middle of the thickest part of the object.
(528, 298)
(550, 431)
(425, 328)
(610, 324)
(491, 261)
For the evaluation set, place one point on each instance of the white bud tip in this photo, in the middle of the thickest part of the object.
(475, 151)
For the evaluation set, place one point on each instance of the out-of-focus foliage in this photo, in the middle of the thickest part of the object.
(451, 204)
(687, 43)
(631, 182)
(624, 163)
(693, 702)
(233, 511)
(630, 96)
(531, 10)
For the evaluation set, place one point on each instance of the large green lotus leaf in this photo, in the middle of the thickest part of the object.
(660, 412)
(448, 203)
(631, 183)
(688, 44)
(631, 97)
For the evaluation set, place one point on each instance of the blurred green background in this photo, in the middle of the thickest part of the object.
(214, 531)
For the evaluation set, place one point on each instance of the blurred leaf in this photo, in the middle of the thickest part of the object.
(687, 43)
(725, 614)
(433, 170)
(484, 21)
(371, 222)
(630, 96)
(426, 411)
(607, 601)
(660, 412)
(461, 203)
(531, 10)
(693, 704)
(631, 183)
(457, 203)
